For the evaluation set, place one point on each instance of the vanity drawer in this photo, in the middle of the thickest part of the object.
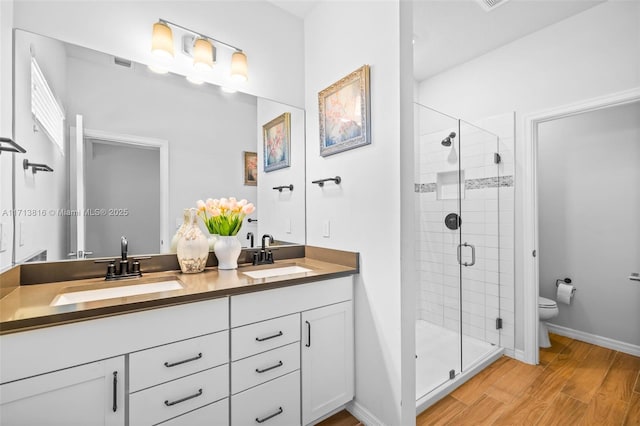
(263, 367)
(263, 336)
(172, 399)
(275, 403)
(263, 305)
(168, 362)
(216, 414)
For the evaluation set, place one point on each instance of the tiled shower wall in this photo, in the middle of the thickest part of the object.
(487, 223)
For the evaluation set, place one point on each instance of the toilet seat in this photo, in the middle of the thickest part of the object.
(544, 303)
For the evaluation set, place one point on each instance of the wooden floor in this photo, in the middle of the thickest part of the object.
(575, 384)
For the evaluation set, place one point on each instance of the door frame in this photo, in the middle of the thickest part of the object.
(528, 157)
(163, 146)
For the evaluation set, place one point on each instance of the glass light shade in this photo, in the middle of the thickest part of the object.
(202, 54)
(239, 66)
(158, 69)
(162, 40)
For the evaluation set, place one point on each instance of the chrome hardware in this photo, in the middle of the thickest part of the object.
(264, 370)
(264, 419)
(173, 364)
(473, 254)
(273, 336)
(186, 398)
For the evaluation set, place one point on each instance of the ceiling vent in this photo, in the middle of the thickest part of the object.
(489, 5)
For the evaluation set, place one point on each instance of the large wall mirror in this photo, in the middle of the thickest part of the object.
(130, 149)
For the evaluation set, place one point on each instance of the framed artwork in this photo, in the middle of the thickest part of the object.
(250, 168)
(344, 108)
(277, 142)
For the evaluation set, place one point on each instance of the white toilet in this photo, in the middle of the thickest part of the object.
(547, 309)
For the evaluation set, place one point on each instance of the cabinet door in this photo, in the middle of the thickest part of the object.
(87, 395)
(327, 359)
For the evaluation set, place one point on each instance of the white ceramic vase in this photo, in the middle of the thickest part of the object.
(212, 241)
(227, 250)
(193, 247)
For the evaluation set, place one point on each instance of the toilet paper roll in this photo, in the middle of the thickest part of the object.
(565, 293)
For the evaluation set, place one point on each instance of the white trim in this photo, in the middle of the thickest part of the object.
(516, 354)
(594, 339)
(163, 146)
(528, 158)
(365, 416)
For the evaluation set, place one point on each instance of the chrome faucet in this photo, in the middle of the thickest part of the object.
(250, 237)
(264, 256)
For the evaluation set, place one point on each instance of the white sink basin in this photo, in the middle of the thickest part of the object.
(114, 292)
(277, 272)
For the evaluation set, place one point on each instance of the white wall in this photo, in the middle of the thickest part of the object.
(588, 55)
(271, 38)
(282, 214)
(206, 129)
(6, 118)
(589, 205)
(364, 210)
(36, 194)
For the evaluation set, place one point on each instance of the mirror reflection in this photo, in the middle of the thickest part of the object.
(130, 149)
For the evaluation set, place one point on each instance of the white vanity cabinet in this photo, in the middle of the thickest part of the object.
(63, 375)
(278, 375)
(90, 394)
(327, 359)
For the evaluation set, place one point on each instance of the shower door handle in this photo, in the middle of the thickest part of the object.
(473, 254)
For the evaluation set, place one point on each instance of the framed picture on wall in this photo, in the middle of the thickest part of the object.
(277, 143)
(250, 168)
(344, 108)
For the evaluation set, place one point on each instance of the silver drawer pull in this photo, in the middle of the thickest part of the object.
(173, 364)
(279, 364)
(264, 419)
(186, 398)
(262, 339)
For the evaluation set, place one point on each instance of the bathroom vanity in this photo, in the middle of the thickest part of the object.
(226, 349)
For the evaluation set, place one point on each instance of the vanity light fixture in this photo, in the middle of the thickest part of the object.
(201, 47)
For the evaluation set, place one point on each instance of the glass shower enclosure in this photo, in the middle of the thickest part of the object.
(457, 212)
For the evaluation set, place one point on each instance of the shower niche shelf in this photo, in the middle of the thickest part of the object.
(447, 185)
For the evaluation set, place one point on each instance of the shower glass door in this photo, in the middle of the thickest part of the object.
(478, 250)
(437, 183)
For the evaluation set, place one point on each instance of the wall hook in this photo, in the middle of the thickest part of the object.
(321, 182)
(36, 167)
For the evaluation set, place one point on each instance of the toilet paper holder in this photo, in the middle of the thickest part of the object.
(566, 281)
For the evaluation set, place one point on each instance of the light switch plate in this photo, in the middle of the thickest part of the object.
(326, 229)
(287, 225)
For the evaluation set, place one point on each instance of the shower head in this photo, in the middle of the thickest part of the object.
(447, 141)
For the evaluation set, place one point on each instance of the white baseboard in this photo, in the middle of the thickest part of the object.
(515, 354)
(362, 414)
(594, 339)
